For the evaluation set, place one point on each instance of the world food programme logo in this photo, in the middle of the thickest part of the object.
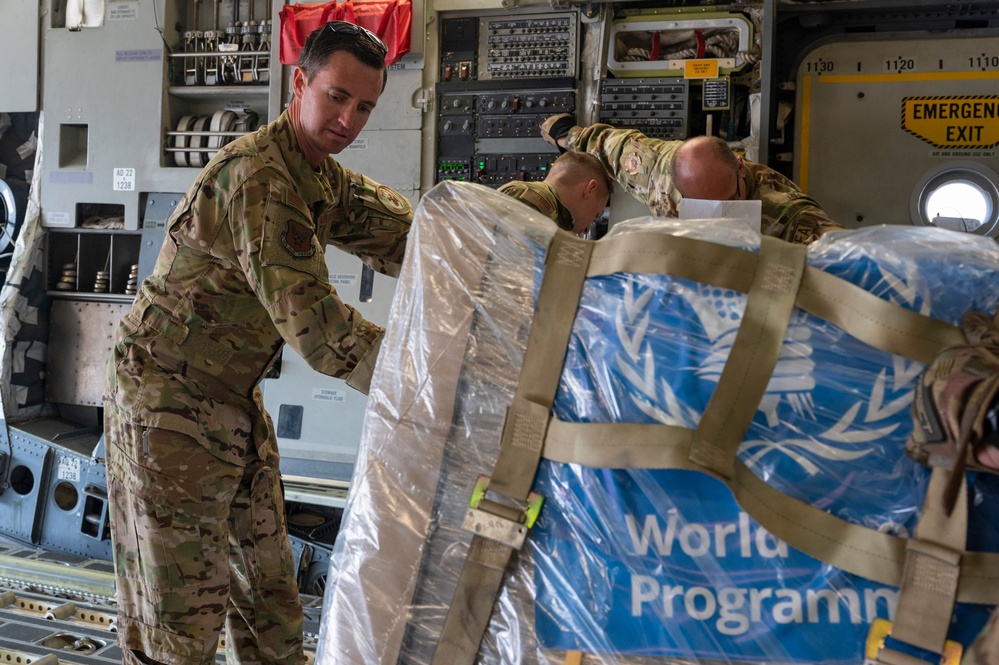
(869, 418)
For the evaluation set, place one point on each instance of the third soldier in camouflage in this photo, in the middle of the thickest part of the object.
(659, 173)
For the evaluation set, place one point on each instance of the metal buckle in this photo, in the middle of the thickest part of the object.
(494, 527)
(880, 630)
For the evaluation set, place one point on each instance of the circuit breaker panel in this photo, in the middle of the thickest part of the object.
(499, 78)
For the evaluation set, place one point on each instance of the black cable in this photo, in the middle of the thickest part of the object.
(156, 21)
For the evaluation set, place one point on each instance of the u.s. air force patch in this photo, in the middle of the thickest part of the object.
(392, 201)
(297, 239)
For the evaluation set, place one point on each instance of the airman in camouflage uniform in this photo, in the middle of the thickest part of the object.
(645, 168)
(541, 196)
(955, 413)
(193, 470)
(573, 194)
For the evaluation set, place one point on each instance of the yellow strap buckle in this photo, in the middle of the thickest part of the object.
(489, 525)
(881, 629)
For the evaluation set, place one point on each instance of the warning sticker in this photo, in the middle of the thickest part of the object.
(953, 122)
(700, 69)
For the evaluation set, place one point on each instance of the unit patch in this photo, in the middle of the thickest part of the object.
(297, 239)
(632, 163)
(394, 203)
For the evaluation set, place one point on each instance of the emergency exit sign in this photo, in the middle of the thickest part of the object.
(953, 122)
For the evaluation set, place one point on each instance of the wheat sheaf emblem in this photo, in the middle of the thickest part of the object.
(868, 419)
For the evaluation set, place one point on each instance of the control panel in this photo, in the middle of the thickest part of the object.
(540, 46)
(657, 107)
(500, 77)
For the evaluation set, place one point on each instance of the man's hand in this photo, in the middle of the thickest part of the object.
(954, 409)
(556, 127)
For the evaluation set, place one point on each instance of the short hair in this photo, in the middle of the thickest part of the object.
(576, 165)
(715, 145)
(323, 43)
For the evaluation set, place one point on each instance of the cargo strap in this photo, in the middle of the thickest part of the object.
(879, 323)
(880, 557)
(500, 523)
(929, 586)
(776, 279)
(754, 356)
(862, 314)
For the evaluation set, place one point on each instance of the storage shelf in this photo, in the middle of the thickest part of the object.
(90, 296)
(208, 91)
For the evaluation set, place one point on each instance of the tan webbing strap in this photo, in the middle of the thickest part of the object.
(499, 527)
(873, 320)
(687, 258)
(619, 445)
(468, 616)
(862, 314)
(851, 547)
(932, 570)
(830, 539)
(558, 300)
(754, 355)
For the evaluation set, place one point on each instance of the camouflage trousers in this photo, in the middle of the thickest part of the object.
(198, 543)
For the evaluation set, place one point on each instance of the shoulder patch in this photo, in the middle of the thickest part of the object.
(297, 239)
(392, 201)
(632, 163)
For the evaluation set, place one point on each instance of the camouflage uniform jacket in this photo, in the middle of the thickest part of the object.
(242, 272)
(641, 165)
(542, 197)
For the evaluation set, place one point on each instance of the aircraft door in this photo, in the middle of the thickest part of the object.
(901, 130)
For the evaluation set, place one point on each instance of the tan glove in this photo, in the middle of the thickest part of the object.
(954, 407)
(557, 126)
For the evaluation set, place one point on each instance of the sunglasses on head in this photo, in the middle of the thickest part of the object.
(345, 28)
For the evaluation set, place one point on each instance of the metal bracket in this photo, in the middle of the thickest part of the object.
(879, 632)
(494, 527)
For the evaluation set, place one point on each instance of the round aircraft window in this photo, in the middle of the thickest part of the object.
(958, 196)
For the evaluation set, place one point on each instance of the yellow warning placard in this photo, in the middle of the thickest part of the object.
(953, 122)
(700, 69)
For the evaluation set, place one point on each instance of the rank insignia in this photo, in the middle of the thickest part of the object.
(297, 239)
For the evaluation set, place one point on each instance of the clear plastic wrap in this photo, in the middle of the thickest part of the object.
(636, 565)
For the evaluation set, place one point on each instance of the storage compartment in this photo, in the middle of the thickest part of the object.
(92, 263)
(218, 79)
(649, 44)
